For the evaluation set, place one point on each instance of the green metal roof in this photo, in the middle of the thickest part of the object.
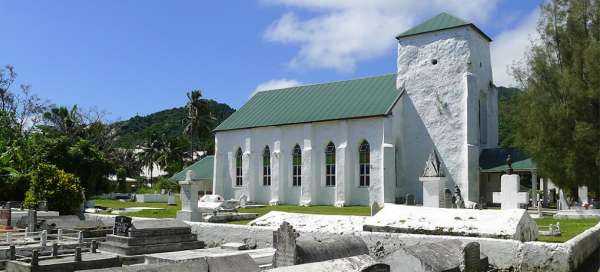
(494, 160)
(441, 21)
(365, 97)
(202, 169)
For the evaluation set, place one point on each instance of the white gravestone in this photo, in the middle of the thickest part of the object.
(434, 183)
(189, 199)
(582, 192)
(171, 200)
(509, 196)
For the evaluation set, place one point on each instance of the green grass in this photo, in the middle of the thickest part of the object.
(568, 227)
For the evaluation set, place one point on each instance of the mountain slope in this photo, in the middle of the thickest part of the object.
(171, 122)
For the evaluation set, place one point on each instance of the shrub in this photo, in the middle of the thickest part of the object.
(60, 189)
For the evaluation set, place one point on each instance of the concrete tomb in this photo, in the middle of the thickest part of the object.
(313, 222)
(360, 263)
(509, 196)
(448, 255)
(66, 263)
(513, 224)
(291, 251)
(135, 237)
(261, 256)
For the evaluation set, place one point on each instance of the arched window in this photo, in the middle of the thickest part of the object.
(267, 166)
(364, 164)
(297, 166)
(238, 168)
(330, 165)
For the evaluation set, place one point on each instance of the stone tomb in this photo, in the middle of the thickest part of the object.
(360, 263)
(65, 263)
(513, 224)
(290, 251)
(448, 255)
(136, 237)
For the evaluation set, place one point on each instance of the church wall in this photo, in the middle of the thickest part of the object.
(312, 138)
(440, 107)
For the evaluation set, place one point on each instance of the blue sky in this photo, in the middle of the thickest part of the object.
(137, 57)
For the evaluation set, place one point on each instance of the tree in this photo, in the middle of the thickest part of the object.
(63, 121)
(151, 152)
(62, 190)
(199, 119)
(557, 117)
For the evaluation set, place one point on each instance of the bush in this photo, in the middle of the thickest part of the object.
(167, 185)
(60, 189)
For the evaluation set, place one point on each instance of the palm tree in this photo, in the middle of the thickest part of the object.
(199, 118)
(64, 121)
(150, 152)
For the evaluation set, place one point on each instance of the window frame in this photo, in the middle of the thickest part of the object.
(330, 165)
(364, 166)
(239, 174)
(267, 166)
(297, 166)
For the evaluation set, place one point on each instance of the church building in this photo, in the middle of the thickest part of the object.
(366, 140)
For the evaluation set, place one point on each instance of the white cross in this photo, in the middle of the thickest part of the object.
(509, 196)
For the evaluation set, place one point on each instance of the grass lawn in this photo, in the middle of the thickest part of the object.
(568, 227)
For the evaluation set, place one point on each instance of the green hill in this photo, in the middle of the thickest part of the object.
(171, 122)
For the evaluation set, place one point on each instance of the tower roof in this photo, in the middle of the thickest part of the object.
(439, 22)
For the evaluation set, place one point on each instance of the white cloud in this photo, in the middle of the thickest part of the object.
(340, 33)
(276, 84)
(510, 47)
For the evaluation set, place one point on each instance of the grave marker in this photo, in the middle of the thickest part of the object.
(471, 257)
(122, 225)
(375, 208)
(434, 183)
(5, 219)
(32, 220)
(582, 193)
(509, 196)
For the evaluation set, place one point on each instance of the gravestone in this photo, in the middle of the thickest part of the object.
(32, 220)
(515, 224)
(509, 196)
(149, 236)
(375, 208)
(447, 198)
(243, 200)
(582, 192)
(291, 251)
(189, 199)
(171, 200)
(43, 206)
(562, 201)
(434, 182)
(5, 219)
(447, 255)
(410, 199)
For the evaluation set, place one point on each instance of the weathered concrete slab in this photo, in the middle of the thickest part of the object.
(237, 263)
(577, 214)
(312, 222)
(360, 263)
(444, 256)
(513, 224)
(262, 256)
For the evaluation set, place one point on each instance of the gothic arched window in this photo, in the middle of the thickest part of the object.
(330, 165)
(238, 168)
(297, 166)
(364, 164)
(267, 166)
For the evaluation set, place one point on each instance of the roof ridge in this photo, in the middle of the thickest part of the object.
(325, 83)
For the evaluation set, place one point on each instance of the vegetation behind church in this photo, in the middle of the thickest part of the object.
(556, 120)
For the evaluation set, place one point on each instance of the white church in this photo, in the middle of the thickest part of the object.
(366, 140)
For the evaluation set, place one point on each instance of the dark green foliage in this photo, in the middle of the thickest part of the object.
(62, 190)
(506, 118)
(557, 117)
(130, 133)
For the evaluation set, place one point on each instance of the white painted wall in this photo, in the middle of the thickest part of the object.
(441, 106)
(312, 138)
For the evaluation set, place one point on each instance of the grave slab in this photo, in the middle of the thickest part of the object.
(513, 224)
(262, 256)
(360, 263)
(312, 222)
(66, 263)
